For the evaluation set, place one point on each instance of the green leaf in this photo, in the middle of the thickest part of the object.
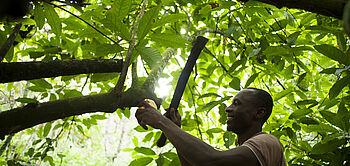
(307, 18)
(215, 95)
(9, 54)
(30, 152)
(147, 22)
(214, 130)
(282, 94)
(170, 19)
(36, 54)
(235, 31)
(39, 15)
(41, 83)
(292, 38)
(141, 161)
(126, 112)
(308, 121)
(169, 40)
(212, 104)
(141, 129)
(160, 160)
(47, 129)
(235, 65)
(71, 93)
(271, 126)
(329, 70)
(97, 77)
(327, 147)
(52, 19)
(26, 100)
(279, 25)
(299, 113)
(98, 117)
(115, 24)
(36, 89)
(333, 53)
(291, 134)
(223, 114)
(276, 50)
(146, 151)
(229, 139)
(251, 79)
(320, 128)
(307, 102)
(333, 119)
(151, 56)
(121, 8)
(148, 137)
(338, 87)
(235, 83)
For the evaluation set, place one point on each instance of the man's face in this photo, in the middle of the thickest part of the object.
(240, 114)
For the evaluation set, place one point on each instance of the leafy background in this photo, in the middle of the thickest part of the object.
(301, 58)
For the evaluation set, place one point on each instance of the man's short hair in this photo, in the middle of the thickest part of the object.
(263, 99)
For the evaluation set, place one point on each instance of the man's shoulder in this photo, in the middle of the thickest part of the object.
(263, 138)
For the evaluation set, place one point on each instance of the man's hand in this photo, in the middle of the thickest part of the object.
(174, 116)
(147, 114)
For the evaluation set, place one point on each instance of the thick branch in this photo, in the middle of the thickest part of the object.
(18, 119)
(333, 8)
(17, 71)
(9, 42)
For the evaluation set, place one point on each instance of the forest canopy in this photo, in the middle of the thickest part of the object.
(73, 72)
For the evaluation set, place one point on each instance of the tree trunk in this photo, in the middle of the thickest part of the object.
(17, 71)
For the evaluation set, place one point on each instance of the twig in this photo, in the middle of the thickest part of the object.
(83, 21)
(87, 78)
(119, 87)
(135, 79)
(9, 42)
(195, 112)
(222, 66)
(278, 81)
(189, 21)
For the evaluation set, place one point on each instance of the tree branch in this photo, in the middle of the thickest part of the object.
(119, 87)
(9, 42)
(333, 8)
(14, 120)
(17, 71)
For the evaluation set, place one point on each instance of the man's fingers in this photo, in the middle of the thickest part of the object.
(143, 125)
(139, 118)
(147, 103)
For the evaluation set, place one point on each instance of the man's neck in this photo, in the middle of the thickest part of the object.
(242, 137)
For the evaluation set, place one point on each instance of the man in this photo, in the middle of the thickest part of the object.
(248, 112)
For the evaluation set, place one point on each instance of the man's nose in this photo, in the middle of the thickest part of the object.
(228, 109)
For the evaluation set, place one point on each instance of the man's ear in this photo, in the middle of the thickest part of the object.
(260, 113)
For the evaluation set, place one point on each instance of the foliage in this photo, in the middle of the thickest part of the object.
(301, 58)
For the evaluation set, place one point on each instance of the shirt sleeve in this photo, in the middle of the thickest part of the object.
(267, 149)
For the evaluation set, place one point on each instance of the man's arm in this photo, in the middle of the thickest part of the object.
(194, 150)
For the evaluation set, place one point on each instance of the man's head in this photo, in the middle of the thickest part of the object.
(251, 107)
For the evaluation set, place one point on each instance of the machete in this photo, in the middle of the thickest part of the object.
(181, 83)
